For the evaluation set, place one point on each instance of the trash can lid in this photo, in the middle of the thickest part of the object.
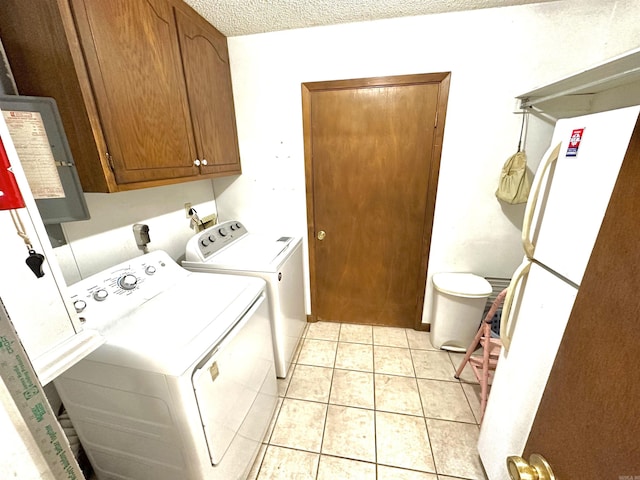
(462, 285)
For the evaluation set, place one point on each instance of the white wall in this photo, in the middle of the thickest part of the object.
(107, 238)
(493, 55)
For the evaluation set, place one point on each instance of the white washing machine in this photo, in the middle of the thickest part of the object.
(230, 248)
(185, 385)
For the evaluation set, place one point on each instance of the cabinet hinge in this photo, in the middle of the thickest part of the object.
(110, 161)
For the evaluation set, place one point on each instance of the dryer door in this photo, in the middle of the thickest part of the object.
(236, 389)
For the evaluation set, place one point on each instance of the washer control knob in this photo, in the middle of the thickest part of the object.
(79, 305)
(204, 242)
(234, 226)
(222, 232)
(238, 226)
(100, 295)
(128, 282)
(149, 269)
(212, 238)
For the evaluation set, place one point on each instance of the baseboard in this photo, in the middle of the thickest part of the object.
(423, 327)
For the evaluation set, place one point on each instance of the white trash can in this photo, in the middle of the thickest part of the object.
(458, 305)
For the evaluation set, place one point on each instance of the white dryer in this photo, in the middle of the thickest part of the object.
(185, 386)
(230, 248)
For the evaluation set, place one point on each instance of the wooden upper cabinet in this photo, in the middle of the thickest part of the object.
(134, 64)
(143, 87)
(205, 60)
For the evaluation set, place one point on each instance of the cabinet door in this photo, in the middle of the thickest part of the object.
(134, 64)
(205, 60)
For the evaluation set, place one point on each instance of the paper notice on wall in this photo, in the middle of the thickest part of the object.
(32, 144)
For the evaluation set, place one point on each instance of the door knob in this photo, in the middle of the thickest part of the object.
(321, 234)
(536, 469)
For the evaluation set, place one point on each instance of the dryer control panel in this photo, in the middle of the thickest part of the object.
(119, 290)
(213, 239)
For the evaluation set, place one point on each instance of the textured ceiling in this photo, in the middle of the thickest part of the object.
(244, 17)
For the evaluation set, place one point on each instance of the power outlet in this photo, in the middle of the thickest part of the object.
(187, 207)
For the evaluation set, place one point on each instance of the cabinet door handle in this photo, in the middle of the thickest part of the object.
(204, 161)
(196, 163)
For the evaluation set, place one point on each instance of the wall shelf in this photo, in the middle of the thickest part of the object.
(611, 84)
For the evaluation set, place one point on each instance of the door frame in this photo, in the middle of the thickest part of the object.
(443, 79)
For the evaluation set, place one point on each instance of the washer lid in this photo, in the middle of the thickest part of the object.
(462, 285)
(254, 252)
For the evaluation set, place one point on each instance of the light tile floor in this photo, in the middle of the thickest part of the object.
(372, 403)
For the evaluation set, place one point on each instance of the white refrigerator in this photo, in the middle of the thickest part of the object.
(565, 209)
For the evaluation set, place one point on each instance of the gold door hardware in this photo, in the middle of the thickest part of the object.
(321, 234)
(536, 469)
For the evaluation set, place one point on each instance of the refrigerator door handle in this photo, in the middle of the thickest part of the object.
(506, 330)
(549, 157)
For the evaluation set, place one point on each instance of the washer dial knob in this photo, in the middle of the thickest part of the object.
(222, 232)
(149, 269)
(100, 295)
(79, 305)
(128, 282)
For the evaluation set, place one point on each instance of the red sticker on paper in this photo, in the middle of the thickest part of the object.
(574, 142)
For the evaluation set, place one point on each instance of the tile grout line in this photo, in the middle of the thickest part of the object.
(326, 415)
(463, 390)
(375, 403)
(294, 363)
(424, 416)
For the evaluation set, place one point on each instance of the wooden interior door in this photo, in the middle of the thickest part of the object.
(372, 155)
(588, 422)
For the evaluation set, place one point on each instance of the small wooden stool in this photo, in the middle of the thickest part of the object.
(491, 352)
